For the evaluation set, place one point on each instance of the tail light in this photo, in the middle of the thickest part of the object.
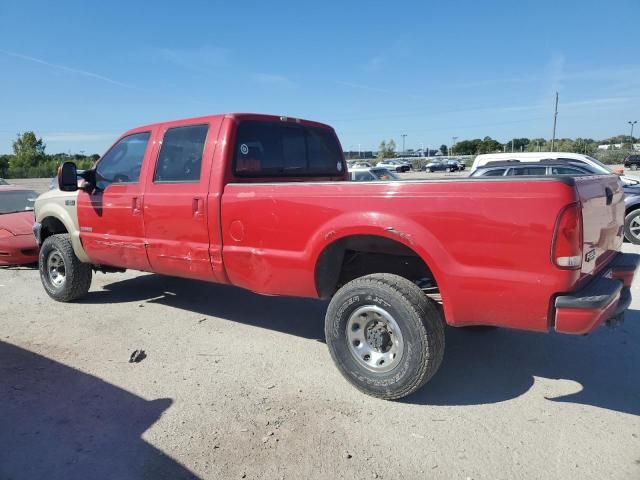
(566, 247)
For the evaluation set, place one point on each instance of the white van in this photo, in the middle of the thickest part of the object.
(482, 160)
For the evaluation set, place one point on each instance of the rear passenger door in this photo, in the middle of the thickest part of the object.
(175, 202)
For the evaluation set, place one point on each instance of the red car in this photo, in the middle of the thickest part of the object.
(17, 243)
(263, 203)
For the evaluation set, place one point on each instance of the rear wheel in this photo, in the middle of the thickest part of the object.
(632, 227)
(384, 335)
(634, 167)
(64, 277)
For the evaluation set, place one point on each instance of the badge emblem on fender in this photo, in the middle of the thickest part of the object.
(590, 255)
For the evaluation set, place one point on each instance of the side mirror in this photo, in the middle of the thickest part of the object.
(68, 177)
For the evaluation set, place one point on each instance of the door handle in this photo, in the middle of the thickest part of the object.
(135, 205)
(198, 207)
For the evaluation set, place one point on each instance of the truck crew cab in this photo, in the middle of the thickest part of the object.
(263, 202)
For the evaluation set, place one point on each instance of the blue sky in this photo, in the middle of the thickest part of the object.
(79, 73)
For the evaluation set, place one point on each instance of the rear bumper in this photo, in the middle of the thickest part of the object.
(606, 297)
(18, 250)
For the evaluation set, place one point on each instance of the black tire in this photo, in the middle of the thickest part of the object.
(421, 329)
(634, 167)
(76, 276)
(628, 220)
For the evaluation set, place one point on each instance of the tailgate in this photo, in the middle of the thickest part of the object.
(602, 200)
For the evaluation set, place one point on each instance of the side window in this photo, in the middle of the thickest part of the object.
(498, 172)
(566, 171)
(180, 157)
(122, 163)
(526, 171)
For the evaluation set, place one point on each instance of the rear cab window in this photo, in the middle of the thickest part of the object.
(280, 149)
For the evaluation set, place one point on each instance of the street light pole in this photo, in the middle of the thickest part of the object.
(453, 146)
(404, 135)
(555, 118)
(632, 123)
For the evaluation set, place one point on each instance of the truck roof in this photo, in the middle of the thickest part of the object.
(236, 116)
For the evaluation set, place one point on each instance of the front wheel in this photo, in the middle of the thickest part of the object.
(64, 277)
(634, 167)
(632, 227)
(385, 335)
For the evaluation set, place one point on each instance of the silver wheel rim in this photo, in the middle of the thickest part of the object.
(375, 339)
(634, 227)
(56, 269)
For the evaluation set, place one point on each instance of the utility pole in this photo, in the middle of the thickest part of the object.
(555, 118)
(404, 135)
(453, 145)
(512, 144)
(632, 123)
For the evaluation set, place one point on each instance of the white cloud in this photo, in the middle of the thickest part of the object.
(64, 68)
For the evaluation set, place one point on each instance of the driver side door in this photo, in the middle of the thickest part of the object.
(110, 217)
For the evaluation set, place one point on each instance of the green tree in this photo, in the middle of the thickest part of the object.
(489, 145)
(4, 165)
(444, 149)
(387, 149)
(28, 150)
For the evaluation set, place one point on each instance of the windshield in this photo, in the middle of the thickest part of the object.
(17, 201)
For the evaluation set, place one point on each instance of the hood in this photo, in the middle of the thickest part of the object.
(19, 223)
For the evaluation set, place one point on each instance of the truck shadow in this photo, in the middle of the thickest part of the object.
(302, 317)
(59, 423)
(478, 367)
(498, 365)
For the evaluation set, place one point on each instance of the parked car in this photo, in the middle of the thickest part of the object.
(481, 160)
(461, 166)
(569, 167)
(395, 165)
(632, 162)
(374, 174)
(544, 167)
(361, 165)
(443, 166)
(17, 243)
(222, 201)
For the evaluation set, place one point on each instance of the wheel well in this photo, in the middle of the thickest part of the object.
(51, 226)
(355, 256)
(631, 209)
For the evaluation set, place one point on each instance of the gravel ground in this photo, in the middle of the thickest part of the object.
(236, 385)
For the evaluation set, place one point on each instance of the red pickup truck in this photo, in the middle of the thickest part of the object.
(263, 203)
